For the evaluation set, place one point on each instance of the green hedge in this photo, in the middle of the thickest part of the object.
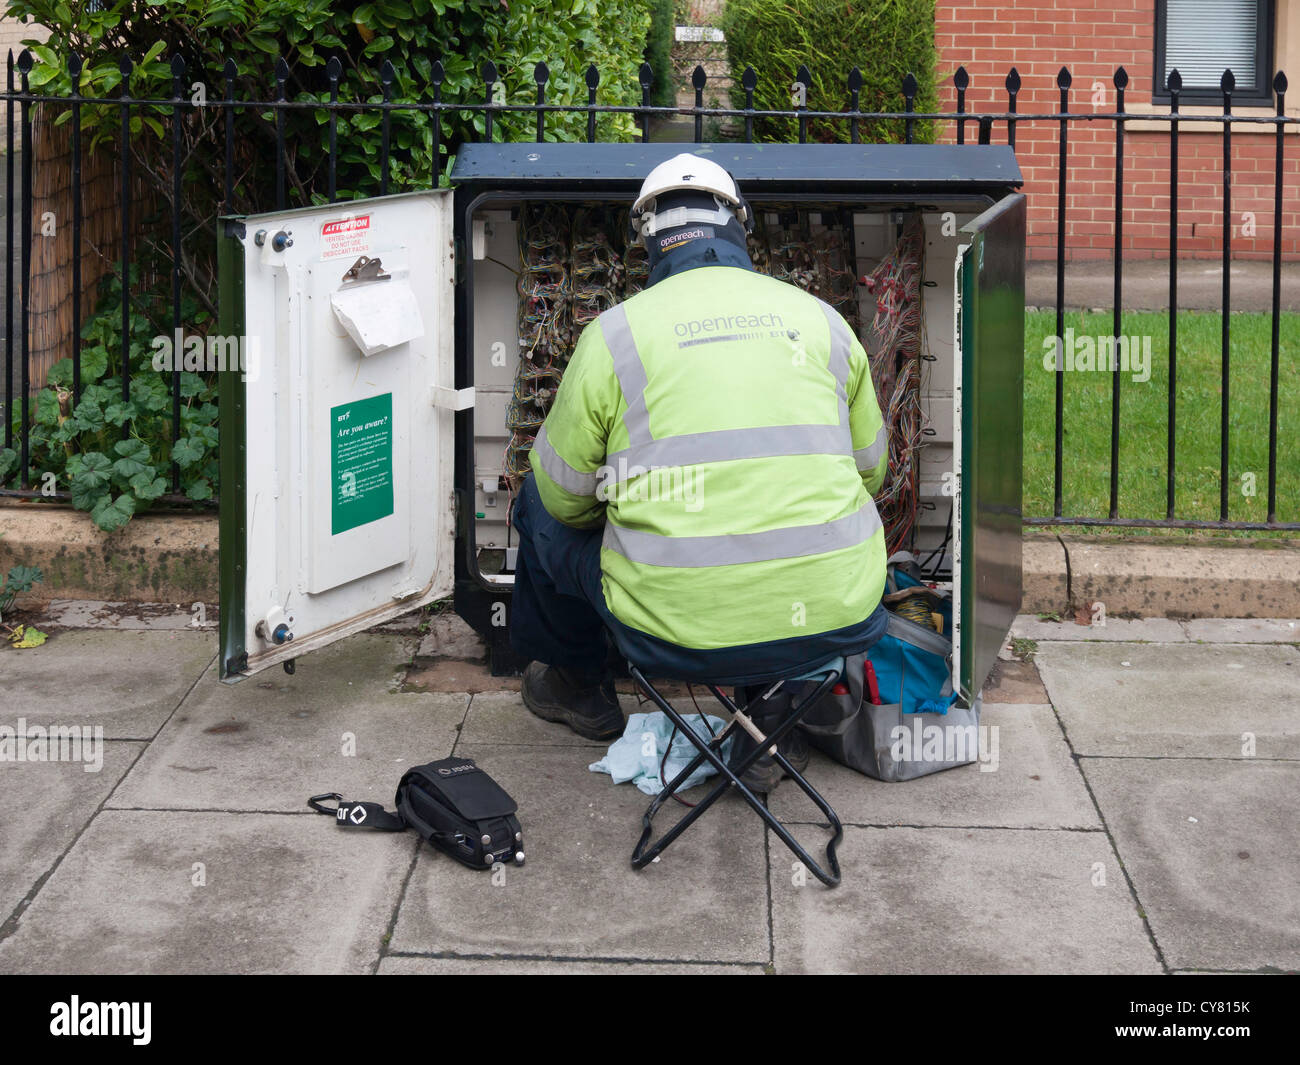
(658, 53)
(884, 39)
(411, 34)
(82, 445)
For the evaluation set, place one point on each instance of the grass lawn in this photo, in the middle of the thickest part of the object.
(1144, 417)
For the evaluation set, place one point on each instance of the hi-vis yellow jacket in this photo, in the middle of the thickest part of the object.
(724, 426)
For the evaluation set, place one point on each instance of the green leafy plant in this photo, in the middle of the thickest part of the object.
(83, 447)
(19, 579)
(884, 39)
(1024, 648)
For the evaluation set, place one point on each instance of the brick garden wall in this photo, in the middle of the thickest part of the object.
(1092, 38)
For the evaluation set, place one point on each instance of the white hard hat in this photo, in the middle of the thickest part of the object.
(687, 173)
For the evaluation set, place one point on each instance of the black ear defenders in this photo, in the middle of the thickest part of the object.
(744, 212)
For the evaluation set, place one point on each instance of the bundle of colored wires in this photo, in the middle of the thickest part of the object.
(575, 262)
(636, 264)
(545, 328)
(837, 281)
(792, 262)
(597, 266)
(893, 343)
(760, 251)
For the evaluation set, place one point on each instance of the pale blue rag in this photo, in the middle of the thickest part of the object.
(637, 754)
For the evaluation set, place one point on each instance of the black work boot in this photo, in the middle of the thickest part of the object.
(765, 774)
(585, 701)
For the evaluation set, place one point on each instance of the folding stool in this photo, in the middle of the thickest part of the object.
(710, 750)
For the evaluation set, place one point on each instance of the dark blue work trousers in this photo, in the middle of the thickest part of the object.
(558, 615)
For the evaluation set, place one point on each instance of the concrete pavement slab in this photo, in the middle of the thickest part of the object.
(128, 682)
(278, 895)
(1175, 699)
(1115, 630)
(1091, 283)
(1213, 851)
(461, 675)
(412, 965)
(1243, 630)
(578, 896)
(272, 740)
(501, 717)
(943, 900)
(449, 636)
(1035, 784)
(94, 614)
(454, 675)
(57, 799)
(1014, 681)
(404, 624)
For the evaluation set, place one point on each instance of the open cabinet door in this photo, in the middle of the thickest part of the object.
(989, 421)
(337, 438)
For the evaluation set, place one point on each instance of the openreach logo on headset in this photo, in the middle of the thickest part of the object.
(74, 1017)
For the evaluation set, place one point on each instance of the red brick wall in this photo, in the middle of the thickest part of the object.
(1092, 39)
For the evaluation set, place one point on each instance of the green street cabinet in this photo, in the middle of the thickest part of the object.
(362, 447)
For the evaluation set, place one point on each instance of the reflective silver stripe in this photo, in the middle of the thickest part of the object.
(840, 354)
(630, 372)
(686, 552)
(868, 458)
(841, 349)
(559, 471)
(728, 445)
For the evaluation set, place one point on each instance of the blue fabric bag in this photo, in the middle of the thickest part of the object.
(920, 726)
(912, 668)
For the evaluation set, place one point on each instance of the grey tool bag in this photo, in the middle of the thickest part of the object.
(925, 729)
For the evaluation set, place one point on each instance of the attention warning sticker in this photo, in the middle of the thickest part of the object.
(345, 237)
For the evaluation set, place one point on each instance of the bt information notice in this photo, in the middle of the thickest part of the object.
(361, 462)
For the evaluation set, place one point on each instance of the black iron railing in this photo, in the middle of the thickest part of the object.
(19, 102)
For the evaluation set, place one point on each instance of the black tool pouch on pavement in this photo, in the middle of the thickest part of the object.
(452, 804)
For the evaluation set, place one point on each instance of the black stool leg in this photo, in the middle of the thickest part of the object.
(796, 715)
(711, 751)
(642, 857)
